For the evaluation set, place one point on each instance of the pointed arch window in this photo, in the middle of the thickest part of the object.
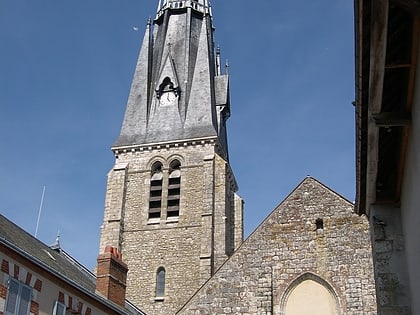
(174, 189)
(155, 197)
(160, 282)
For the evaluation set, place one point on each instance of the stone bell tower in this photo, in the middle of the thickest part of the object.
(171, 206)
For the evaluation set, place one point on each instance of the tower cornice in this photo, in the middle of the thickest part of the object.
(167, 145)
(215, 141)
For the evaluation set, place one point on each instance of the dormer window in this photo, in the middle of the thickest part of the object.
(167, 86)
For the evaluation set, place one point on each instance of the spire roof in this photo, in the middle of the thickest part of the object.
(178, 92)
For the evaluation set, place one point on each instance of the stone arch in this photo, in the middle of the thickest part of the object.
(318, 295)
(157, 166)
(175, 157)
(155, 159)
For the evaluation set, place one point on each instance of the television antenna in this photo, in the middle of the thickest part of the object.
(39, 211)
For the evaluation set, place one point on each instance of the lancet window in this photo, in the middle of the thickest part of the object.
(160, 282)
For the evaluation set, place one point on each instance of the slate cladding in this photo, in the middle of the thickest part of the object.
(24, 243)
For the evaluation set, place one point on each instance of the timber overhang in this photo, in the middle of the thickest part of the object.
(386, 43)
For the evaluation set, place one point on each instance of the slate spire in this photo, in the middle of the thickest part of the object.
(178, 93)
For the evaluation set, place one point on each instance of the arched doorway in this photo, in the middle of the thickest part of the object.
(310, 294)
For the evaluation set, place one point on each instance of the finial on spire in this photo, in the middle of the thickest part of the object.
(227, 67)
(56, 246)
(149, 21)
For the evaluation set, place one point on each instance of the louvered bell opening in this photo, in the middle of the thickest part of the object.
(174, 191)
(174, 183)
(156, 185)
(173, 207)
(155, 199)
(154, 209)
(156, 188)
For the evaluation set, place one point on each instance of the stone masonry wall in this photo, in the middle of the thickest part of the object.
(288, 246)
(390, 261)
(187, 247)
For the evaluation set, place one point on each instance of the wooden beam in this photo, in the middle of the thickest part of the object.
(378, 44)
(379, 32)
(390, 119)
(362, 58)
(398, 66)
(410, 97)
(412, 6)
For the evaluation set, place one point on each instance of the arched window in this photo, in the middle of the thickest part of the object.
(160, 282)
(174, 189)
(155, 197)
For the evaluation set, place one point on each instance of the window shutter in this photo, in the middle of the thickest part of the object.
(25, 300)
(59, 308)
(19, 296)
(12, 297)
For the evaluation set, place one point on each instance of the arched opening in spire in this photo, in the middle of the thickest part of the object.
(166, 86)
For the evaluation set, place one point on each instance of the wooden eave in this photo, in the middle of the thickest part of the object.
(387, 35)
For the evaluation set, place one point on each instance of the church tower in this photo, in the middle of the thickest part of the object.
(171, 206)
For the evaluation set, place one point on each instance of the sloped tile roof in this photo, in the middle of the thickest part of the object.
(56, 261)
(37, 251)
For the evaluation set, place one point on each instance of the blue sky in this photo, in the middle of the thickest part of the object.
(65, 74)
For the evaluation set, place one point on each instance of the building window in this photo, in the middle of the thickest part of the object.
(18, 300)
(319, 224)
(59, 308)
(155, 198)
(174, 189)
(160, 282)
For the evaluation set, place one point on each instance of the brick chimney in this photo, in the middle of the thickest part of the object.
(111, 275)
